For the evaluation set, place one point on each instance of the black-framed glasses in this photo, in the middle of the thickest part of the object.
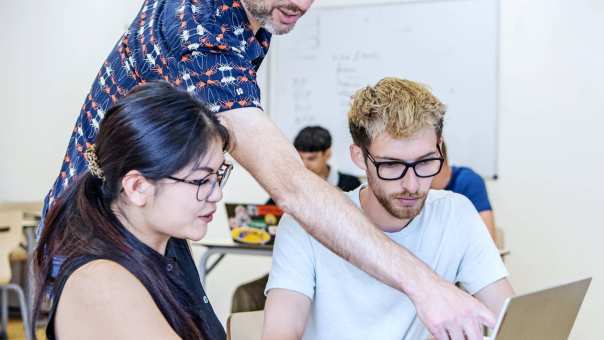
(393, 170)
(207, 185)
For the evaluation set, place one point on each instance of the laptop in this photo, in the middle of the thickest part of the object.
(547, 314)
(253, 224)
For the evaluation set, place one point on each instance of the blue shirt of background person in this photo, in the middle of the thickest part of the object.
(465, 181)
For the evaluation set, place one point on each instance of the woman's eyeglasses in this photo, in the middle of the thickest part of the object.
(207, 184)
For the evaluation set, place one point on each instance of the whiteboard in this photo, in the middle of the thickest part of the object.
(451, 46)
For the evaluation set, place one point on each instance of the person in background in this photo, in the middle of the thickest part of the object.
(396, 127)
(120, 230)
(465, 181)
(313, 144)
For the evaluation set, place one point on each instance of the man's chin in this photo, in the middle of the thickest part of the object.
(277, 29)
(405, 214)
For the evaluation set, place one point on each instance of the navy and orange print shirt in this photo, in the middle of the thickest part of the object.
(203, 46)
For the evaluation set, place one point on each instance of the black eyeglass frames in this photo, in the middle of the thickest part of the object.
(393, 170)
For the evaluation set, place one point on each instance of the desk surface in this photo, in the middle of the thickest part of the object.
(230, 244)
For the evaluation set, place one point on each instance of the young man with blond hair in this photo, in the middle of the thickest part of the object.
(396, 128)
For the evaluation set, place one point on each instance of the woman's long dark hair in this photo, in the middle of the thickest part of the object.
(157, 130)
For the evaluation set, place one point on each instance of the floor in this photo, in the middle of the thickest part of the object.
(16, 332)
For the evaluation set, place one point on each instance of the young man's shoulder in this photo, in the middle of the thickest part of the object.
(290, 229)
(449, 208)
(440, 200)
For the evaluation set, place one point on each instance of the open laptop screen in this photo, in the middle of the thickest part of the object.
(547, 314)
(254, 224)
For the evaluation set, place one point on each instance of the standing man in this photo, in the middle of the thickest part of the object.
(213, 48)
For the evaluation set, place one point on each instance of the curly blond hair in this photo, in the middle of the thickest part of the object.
(399, 107)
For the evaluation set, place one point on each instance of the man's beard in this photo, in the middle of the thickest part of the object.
(387, 201)
(264, 13)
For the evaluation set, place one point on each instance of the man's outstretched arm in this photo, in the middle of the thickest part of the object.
(260, 147)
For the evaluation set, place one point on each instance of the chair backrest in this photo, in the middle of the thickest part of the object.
(500, 238)
(32, 207)
(245, 326)
(11, 232)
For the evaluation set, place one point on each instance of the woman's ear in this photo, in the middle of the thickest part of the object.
(136, 188)
(357, 156)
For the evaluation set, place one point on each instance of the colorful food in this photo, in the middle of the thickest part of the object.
(249, 235)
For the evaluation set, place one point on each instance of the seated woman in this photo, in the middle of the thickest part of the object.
(156, 174)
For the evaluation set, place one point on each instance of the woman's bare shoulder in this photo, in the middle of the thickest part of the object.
(102, 300)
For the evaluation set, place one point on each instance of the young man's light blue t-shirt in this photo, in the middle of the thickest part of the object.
(347, 303)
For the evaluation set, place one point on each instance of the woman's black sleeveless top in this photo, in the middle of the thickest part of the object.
(178, 267)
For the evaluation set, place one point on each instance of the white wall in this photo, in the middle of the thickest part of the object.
(50, 56)
(550, 154)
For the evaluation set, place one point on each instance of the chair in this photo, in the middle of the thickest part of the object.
(500, 238)
(11, 229)
(245, 326)
(504, 252)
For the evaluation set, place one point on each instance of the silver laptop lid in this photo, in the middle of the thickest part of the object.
(547, 314)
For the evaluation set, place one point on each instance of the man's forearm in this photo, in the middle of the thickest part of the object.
(324, 212)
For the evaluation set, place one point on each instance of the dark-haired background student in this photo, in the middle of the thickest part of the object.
(313, 144)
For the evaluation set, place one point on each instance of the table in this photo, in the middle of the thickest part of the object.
(222, 248)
